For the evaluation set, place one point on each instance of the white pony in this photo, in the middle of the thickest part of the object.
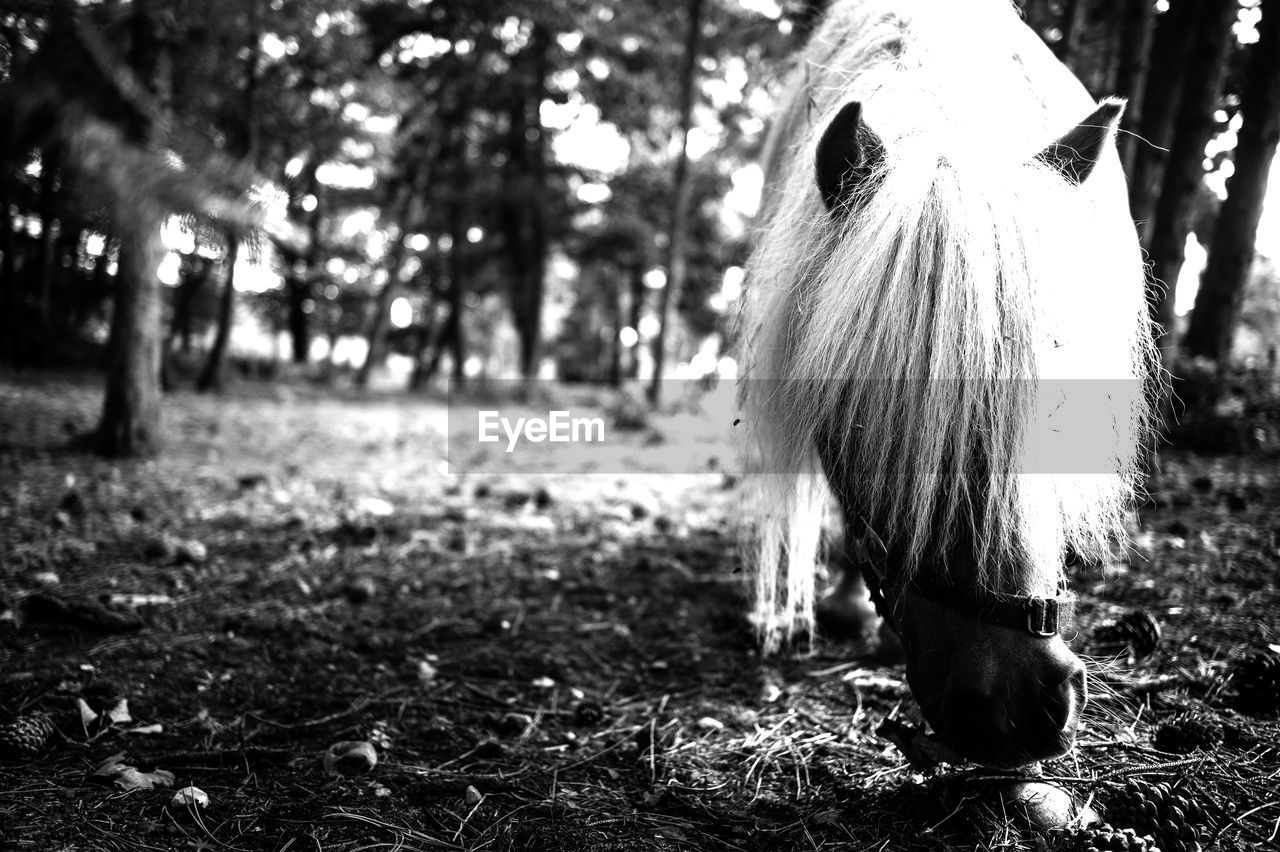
(946, 339)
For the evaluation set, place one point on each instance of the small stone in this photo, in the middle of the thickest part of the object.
(360, 590)
(350, 757)
(160, 548)
(515, 724)
(73, 504)
(249, 481)
(1045, 806)
(189, 799)
(190, 552)
(427, 673)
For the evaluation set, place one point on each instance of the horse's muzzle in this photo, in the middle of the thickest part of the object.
(998, 696)
(1004, 723)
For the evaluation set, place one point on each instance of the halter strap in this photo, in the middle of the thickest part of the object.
(1036, 614)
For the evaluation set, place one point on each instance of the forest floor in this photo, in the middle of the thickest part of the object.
(539, 662)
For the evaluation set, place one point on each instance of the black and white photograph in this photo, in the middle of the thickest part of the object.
(647, 425)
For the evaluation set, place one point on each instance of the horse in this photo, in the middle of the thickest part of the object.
(948, 351)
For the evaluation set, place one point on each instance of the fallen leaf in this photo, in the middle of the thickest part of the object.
(87, 714)
(119, 713)
(128, 778)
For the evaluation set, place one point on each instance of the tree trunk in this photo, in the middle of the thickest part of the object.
(1206, 71)
(298, 281)
(615, 323)
(380, 314)
(1038, 15)
(1174, 34)
(449, 330)
(8, 281)
(130, 424)
(1136, 35)
(679, 204)
(49, 225)
(211, 377)
(636, 308)
(298, 291)
(1073, 25)
(1231, 253)
(457, 286)
(190, 286)
(426, 338)
(524, 215)
(806, 16)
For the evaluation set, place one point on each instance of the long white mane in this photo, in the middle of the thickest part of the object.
(972, 336)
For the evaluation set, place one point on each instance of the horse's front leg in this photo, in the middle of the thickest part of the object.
(847, 612)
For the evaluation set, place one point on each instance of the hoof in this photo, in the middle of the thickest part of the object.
(847, 619)
(889, 648)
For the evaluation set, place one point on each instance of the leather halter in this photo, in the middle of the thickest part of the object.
(1037, 615)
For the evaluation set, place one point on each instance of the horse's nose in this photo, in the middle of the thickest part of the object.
(1062, 700)
(1023, 717)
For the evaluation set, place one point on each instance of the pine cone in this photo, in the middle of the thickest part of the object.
(1135, 634)
(1172, 817)
(25, 737)
(588, 713)
(1187, 732)
(1257, 681)
(1104, 838)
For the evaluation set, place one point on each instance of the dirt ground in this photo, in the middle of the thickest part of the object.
(539, 662)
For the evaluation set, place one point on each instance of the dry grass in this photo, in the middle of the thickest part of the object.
(310, 620)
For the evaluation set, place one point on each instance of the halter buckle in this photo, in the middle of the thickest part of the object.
(1042, 617)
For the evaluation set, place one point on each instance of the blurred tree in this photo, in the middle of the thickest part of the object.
(1184, 173)
(1137, 29)
(676, 237)
(241, 131)
(1222, 285)
(1173, 36)
(138, 155)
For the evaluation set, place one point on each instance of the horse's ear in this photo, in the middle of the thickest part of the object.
(847, 154)
(1078, 151)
